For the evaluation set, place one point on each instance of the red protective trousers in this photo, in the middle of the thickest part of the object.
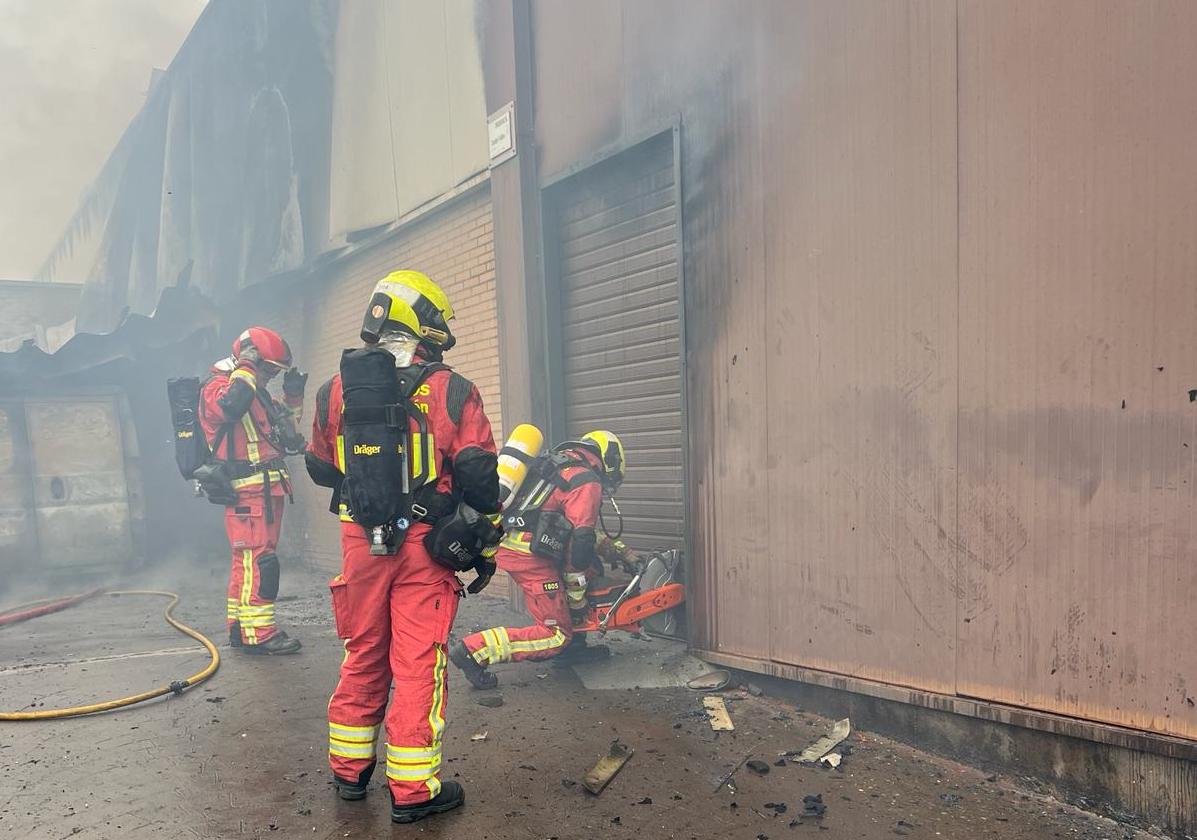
(544, 596)
(253, 579)
(394, 613)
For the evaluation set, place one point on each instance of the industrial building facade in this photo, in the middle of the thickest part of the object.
(933, 292)
(889, 301)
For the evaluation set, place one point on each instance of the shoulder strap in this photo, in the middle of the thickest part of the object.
(422, 471)
(423, 371)
(223, 432)
(560, 463)
(545, 475)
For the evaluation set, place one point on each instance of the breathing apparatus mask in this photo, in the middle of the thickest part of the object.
(401, 345)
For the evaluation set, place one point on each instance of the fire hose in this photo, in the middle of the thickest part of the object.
(45, 607)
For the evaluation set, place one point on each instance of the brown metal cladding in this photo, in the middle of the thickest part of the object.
(929, 250)
(860, 296)
(1078, 185)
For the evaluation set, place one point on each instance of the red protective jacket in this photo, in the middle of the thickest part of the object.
(231, 396)
(579, 504)
(459, 445)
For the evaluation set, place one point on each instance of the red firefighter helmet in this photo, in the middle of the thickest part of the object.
(269, 344)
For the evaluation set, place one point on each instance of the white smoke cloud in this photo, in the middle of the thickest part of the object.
(73, 73)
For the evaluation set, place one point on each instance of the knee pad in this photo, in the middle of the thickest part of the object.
(268, 569)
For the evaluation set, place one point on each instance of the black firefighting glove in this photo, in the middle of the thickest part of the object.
(294, 382)
(293, 442)
(490, 534)
(485, 568)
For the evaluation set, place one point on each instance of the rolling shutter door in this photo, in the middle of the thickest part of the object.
(616, 254)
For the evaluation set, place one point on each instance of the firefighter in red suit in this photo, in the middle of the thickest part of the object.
(395, 612)
(554, 587)
(249, 432)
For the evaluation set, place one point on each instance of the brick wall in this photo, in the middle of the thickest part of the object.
(454, 246)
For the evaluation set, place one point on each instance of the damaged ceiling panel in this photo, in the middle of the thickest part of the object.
(225, 167)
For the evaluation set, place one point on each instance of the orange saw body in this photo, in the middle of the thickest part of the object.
(651, 591)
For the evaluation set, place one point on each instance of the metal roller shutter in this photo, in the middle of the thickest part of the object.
(617, 285)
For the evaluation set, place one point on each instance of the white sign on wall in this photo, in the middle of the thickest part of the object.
(500, 129)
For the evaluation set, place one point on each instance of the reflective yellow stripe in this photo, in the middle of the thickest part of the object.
(276, 477)
(355, 734)
(436, 716)
(412, 755)
(247, 375)
(423, 455)
(491, 651)
(406, 773)
(341, 453)
(432, 476)
(261, 609)
(251, 438)
(520, 541)
(416, 453)
(534, 645)
(497, 649)
(352, 741)
(351, 750)
(247, 588)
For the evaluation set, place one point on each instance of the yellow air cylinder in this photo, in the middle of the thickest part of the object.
(520, 450)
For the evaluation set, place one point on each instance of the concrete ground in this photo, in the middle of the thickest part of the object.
(243, 756)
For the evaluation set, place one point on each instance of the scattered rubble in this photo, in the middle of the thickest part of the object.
(757, 766)
(812, 806)
(490, 701)
(479, 736)
(717, 713)
(712, 681)
(607, 767)
(841, 730)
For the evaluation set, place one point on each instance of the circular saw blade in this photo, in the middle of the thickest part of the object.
(657, 574)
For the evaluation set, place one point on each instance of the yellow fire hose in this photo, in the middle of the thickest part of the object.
(176, 687)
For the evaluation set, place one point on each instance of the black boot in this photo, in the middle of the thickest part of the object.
(235, 634)
(451, 796)
(280, 644)
(478, 676)
(578, 652)
(352, 791)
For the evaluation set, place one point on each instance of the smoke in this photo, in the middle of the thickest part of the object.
(72, 76)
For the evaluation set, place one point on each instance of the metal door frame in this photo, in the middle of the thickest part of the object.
(553, 348)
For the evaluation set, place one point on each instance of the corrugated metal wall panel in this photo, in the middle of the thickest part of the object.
(860, 305)
(820, 171)
(615, 235)
(1077, 438)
